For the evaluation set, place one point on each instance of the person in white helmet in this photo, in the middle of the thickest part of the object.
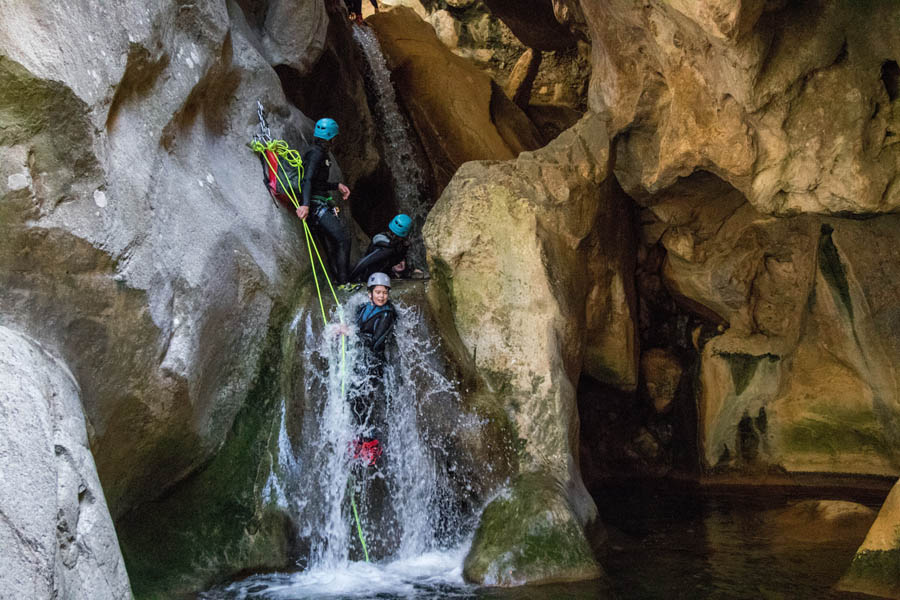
(375, 319)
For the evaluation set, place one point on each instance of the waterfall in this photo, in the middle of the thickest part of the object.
(408, 506)
(407, 175)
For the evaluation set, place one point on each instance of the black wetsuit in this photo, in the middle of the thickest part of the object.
(375, 324)
(317, 195)
(355, 6)
(385, 251)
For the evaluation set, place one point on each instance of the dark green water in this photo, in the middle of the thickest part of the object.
(661, 543)
(666, 544)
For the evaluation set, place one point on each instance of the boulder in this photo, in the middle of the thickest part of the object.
(446, 27)
(661, 372)
(529, 534)
(875, 569)
(57, 538)
(746, 89)
(456, 109)
(136, 241)
(506, 241)
(819, 521)
(521, 78)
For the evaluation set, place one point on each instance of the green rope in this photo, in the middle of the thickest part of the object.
(362, 540)
(280, 148)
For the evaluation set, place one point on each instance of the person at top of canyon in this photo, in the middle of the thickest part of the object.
(387, 253)
(375, 318)
(354, 7)
(318, 206)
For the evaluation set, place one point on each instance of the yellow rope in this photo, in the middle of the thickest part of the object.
(293, 158)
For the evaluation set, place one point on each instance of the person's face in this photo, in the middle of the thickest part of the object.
(379, 295)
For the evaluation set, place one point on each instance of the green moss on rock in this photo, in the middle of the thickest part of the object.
(529, 535)
(215, 524)
(834, 432)
(874, 572)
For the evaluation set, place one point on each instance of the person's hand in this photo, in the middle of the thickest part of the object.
(344, 190)
(303, 212)
(400, 266)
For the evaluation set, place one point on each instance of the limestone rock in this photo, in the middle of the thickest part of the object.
(529, 535)
(874, 567)
(795, 106)
(459, 114)
(521, 79)
(505, 242)
(289, 35)
(534, 22)
(661, 373)
(802, 377)
(136, 240)
(446, 27)
(820, 521)
(57, 539)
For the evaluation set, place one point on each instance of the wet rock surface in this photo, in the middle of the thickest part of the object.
(460, 114)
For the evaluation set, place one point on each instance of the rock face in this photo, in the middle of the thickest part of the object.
(137, 242)
(794, 105)
(457, 111)
(875, 566)
(56, 536)
(534, 22)
(802, 378)
(504, 240)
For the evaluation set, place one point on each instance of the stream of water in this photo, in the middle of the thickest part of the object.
(406, 172)
(414, 526)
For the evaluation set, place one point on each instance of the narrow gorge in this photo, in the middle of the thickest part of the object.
(651, 351)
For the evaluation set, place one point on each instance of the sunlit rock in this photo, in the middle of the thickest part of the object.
(508, 242)
(793, 105)
(875, 567)
(458, 112)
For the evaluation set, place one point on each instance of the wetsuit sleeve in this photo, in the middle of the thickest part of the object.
(382, 329)
(374, 3)
(378, 259)
(314, 162)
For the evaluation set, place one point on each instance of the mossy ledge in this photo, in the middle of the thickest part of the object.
(215, 524)
(529, 535)
(875, 572)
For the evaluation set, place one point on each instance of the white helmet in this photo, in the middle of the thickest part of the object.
(378, 279)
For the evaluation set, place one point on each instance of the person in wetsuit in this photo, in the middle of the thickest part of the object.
(375, 322)
(375, 319)
(318, 205)
(387, 252)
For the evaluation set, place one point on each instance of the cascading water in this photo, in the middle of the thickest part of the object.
(409, 508)
(407, 175)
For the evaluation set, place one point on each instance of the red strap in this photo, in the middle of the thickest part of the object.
(367, 452)
(272, 166)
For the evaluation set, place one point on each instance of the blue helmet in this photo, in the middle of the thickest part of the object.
(326, 129)
(400, 225)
